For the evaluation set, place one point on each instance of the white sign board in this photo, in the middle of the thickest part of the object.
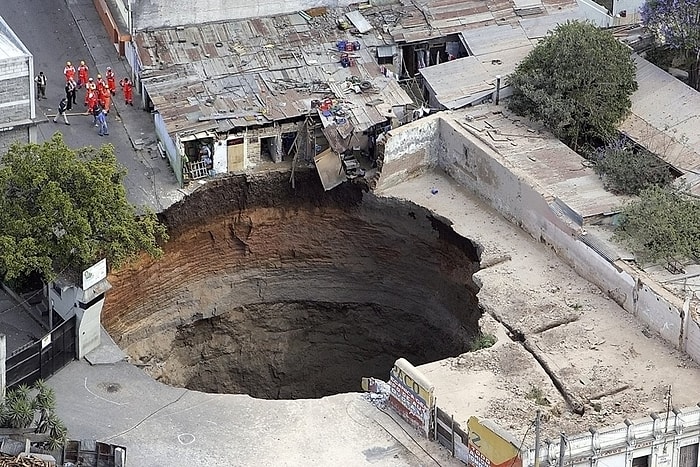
(94, 274)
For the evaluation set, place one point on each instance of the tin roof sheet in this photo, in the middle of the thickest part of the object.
(527, 148)
(665, 119)
(437, 18)
(257, 71)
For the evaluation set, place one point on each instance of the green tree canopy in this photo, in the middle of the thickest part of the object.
(65, 209)
(577, 81)
(662, 224)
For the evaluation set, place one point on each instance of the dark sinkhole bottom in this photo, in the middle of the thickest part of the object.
(295, 350)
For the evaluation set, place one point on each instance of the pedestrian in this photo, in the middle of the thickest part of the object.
(96, 111)
(83, 74)
(40, 81)
(128, 89)
(71, 94)
(62, 107)
(69, 71)
(102, 119)
(105, 98)
(111, 81)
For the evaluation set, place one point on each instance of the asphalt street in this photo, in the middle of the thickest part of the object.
(70, 30)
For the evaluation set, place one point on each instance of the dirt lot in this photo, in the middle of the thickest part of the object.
(609, 366)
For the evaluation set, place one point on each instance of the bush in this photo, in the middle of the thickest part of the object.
(627, 171)
(662, 224)
(483, 341)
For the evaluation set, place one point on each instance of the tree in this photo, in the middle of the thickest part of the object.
(626, 170)
(662, 224)
(65, 209)
(577, 81)
(676, 24)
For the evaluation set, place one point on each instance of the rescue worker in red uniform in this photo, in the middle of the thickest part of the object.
(90, 85)
(69, 71)
(90, 101)
(100, 83)
(128, 89)
(105, 98)
(83, 74)
(111, 81)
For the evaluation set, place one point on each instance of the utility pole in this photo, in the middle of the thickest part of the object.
(537, 438)
(562, 448)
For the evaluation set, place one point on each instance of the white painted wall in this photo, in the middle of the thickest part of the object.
(220, 157)
(168, 13)
(661, 439)
(88, 328)
(410, 150)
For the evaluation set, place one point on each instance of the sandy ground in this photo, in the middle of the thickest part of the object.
(603, 357)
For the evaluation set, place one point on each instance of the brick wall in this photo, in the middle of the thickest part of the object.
(15, 90)
(20, 134)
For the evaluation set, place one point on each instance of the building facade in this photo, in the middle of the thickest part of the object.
(17, 91)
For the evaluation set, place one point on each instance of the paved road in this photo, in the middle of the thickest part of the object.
(70, 30)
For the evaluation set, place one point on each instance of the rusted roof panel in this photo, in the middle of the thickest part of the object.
(257, 71)
(527, 148)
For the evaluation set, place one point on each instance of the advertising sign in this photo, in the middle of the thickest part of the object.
(412, 395)
(94, 274)
(488, 449)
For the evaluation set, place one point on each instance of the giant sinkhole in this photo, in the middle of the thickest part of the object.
(285, 293)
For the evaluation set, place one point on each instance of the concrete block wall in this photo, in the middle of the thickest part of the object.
(16, 85)
(168, 13)
(18, 134)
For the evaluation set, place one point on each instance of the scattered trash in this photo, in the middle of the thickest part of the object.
(379, 395)
(434, 191)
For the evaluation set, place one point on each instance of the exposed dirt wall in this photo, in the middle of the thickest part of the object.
(287, 259)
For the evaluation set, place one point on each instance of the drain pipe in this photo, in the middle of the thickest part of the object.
(498, 88)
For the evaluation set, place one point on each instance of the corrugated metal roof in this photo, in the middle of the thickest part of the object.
(538, 27)
(257, 71)
(525, 147)
(429, 19)
(665, 119)
(461, 82)
(456, 81)
(494, 38)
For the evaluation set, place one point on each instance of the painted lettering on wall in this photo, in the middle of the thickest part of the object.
(412, 396)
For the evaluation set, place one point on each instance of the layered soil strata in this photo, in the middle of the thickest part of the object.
(282, 293)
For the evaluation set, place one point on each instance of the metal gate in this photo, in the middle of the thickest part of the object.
(40, 360)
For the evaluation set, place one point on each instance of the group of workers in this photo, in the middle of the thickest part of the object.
(98, 92)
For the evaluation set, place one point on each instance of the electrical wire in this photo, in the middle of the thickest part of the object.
(407, 434)
(148, 416)
(522, 443)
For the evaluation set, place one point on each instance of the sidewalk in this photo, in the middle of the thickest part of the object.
(150, 180)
